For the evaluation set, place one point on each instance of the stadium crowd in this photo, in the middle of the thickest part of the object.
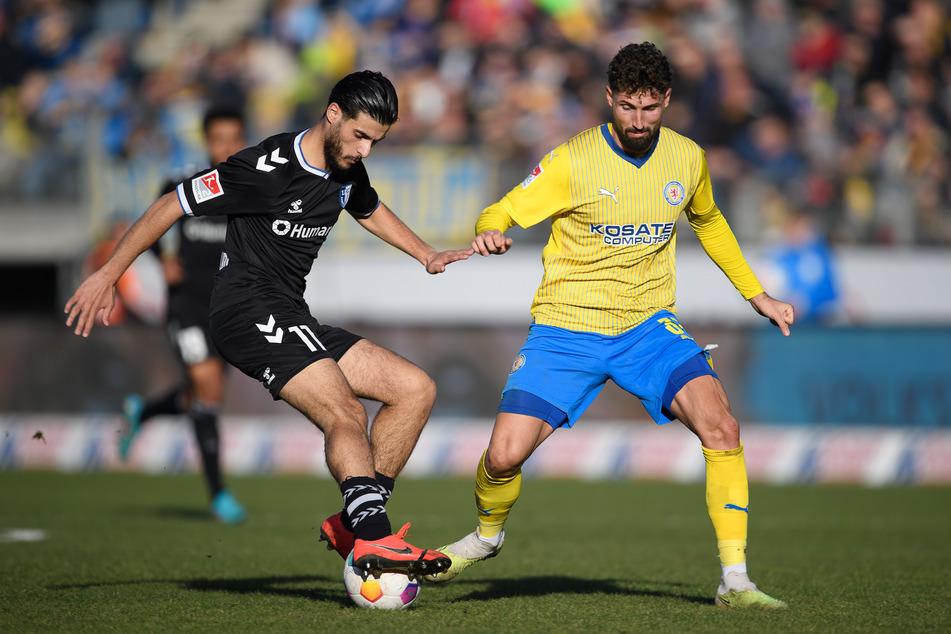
(840, 110)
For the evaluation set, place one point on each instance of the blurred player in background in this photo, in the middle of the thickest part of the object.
(190, 254)
(282, 198)
(605, 308)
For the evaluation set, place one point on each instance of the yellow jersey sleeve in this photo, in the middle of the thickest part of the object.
(494, 217)
(717, 238)
(545, 192)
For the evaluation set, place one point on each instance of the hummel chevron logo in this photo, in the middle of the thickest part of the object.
(268, 328)
(603, 192)
(276, 157)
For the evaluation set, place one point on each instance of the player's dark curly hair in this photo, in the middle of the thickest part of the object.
(367, 92)
(638, 67)
(221, 111)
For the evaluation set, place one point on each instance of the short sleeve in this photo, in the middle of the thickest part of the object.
(234, 187)
(357, 196)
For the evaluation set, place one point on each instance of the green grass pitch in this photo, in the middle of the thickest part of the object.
(129, 552)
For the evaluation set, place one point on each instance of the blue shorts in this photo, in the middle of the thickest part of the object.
(567, 369)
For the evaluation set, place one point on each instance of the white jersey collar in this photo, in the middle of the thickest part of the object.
(303, 162)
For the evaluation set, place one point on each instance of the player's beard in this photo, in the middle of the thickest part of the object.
(333, 151)
(635, 147)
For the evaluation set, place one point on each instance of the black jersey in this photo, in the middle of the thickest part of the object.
(280, 211)
(199, 243)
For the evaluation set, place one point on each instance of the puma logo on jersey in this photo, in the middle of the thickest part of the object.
(603, 192)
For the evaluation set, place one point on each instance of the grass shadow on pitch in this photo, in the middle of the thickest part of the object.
(557, 584)
(311, 587)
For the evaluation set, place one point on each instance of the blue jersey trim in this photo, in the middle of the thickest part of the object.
(303, 161)
(180, 192)
(636, 161)
(528, 404)
(690, 369)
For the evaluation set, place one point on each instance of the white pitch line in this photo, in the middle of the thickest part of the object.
(22, 535)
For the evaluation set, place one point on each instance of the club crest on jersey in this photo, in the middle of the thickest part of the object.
(518, 363)
(345, 195)
(531, 177)
(674, 192)
(207, 187)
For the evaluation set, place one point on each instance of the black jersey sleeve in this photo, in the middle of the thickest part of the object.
(231, 188)
(361, 200)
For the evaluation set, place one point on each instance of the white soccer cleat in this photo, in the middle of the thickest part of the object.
(736, 591)
(465, 552)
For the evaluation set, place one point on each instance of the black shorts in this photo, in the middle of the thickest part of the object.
(189, 331)
(273, 337)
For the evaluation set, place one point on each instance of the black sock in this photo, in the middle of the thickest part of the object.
(363, 502)
(386, 485)
(172, 404)
(204, 417)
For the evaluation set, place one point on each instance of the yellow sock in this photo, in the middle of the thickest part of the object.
(494, 499)
(728, 500)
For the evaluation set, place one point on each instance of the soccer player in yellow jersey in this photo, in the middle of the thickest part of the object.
(605, 308)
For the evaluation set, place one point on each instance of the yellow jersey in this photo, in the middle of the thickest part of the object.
(609, 263)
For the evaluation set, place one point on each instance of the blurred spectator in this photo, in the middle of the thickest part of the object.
(802, 268)
(845, 108)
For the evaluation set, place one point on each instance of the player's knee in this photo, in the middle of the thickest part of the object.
(502, 461)
(344, 415)
(722, 431)
(419, 387)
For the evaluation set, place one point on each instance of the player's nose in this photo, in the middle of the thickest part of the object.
(363, 148)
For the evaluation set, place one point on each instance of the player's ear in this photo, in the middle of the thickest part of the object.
(610, 96)
(333, 112)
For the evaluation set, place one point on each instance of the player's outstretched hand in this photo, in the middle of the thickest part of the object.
(780, 314)
(491, 242)
(437, 261)
(95, 296)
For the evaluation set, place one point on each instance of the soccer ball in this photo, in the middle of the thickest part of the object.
(387, 591)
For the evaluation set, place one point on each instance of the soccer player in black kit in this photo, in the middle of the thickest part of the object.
(282, 198)
(190, 254)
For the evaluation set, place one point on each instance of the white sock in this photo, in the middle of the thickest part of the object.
(740, 568)
(493, 541)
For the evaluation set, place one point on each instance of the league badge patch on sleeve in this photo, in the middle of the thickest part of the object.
(207, 186)
(535, 174)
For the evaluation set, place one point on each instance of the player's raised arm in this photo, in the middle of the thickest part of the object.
(97, 294)
(384, 224)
